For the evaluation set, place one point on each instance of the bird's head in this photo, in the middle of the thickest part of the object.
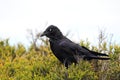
(52, 32)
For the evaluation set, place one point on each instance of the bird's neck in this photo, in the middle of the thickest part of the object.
(57, 37)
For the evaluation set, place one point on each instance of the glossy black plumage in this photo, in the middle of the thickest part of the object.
(67, 51)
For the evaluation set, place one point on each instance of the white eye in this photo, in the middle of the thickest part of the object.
(50, 30)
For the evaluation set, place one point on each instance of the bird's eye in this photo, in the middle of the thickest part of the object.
(50, 30)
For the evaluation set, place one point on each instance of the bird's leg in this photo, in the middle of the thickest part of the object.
(66, 62)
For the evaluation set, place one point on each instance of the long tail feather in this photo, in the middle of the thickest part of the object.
(95, 53)
(98, 54)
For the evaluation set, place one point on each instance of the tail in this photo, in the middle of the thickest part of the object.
(98, 54)
(95, 53)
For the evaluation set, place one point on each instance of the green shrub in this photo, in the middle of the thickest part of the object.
(19, 63)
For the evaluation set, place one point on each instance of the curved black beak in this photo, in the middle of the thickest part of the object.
(43, 34)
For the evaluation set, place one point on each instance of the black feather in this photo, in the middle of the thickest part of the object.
(95, 53)
(67, 51)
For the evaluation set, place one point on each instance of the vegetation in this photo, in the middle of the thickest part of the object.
(19, 63)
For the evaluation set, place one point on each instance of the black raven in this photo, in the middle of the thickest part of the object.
(67, 51)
